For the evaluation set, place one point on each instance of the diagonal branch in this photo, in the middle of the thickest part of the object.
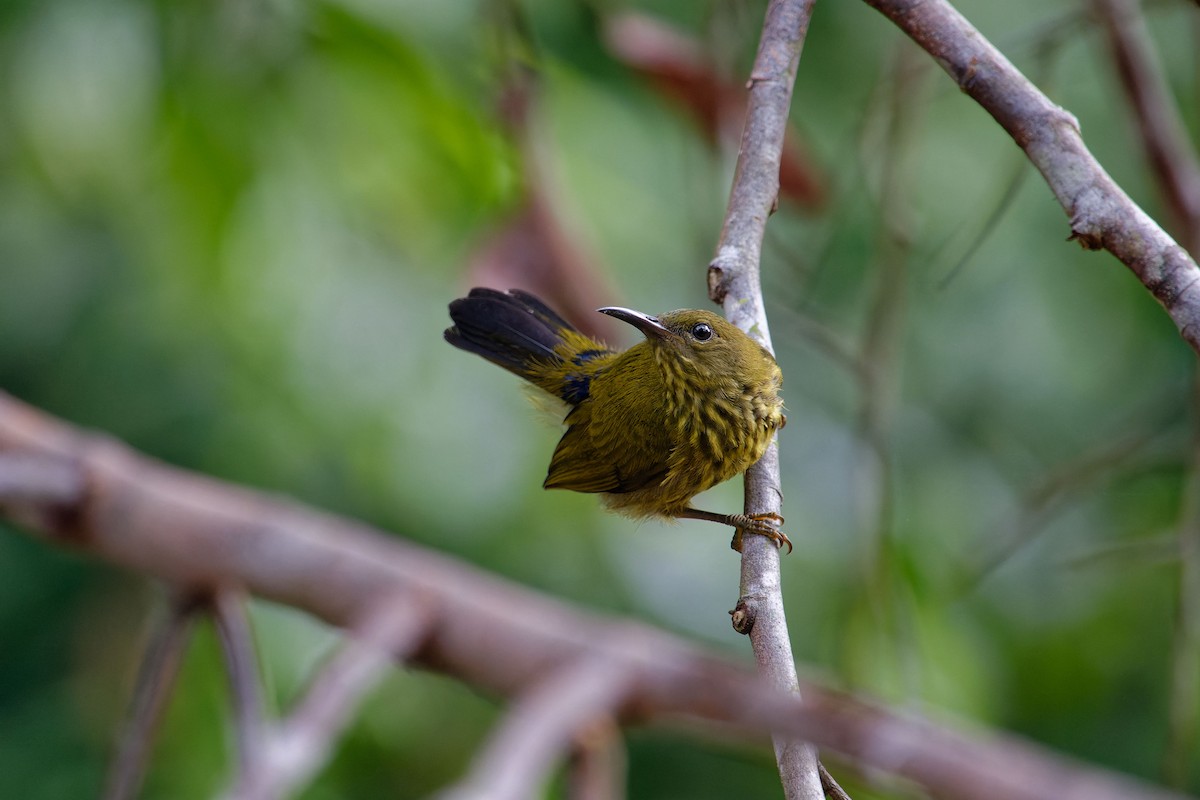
(1163, 133)
(540, 729)
(155, 682)
(1102, 215)
(298, 748)
(831, 786)
(196, 531)
(733, 281)
(232, 623)
(37, 481)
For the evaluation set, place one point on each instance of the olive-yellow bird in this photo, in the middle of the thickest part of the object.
(649, 428)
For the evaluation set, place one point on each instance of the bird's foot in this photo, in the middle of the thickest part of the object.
(742, 524)
(761, 525)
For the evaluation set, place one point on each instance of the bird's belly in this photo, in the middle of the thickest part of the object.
(700, 460)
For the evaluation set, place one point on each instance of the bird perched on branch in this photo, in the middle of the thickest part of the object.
(692, 405)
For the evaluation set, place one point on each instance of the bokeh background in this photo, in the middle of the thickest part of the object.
(228, 233)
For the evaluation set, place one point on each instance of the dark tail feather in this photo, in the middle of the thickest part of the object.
(512, 329)
(539, 309)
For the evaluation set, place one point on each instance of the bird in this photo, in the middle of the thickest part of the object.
(693, 404)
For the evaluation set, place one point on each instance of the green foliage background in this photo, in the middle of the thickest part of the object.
(228, 233)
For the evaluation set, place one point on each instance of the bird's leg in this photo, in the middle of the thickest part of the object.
(744, 523)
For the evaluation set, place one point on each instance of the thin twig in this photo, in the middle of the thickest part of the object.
(299, 747)
(541, 727)
(155, 680)
(1044, 498)
(1047, 41)
(827, 341)
(734, 281)
(1160, 550)
(1177, 172)
(881, 353)
(237, 646)
(1161, 129)
(1183, 728)
(831, 787)
(1102, 215)
(990, 223)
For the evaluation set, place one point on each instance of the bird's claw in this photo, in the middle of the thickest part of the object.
(759, 524)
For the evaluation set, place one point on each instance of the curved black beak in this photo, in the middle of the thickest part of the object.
(648, 325)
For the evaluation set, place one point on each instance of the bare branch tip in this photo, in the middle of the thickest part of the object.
(830, 785)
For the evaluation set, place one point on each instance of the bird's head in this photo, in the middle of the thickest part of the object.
(704, 339)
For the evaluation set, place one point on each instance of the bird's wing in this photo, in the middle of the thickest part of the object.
(576, 466)
(614, 454)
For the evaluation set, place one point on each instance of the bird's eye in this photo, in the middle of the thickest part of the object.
(702, 332)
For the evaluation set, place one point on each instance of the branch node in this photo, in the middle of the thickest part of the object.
(718, 286)
(966, 79)
(758, 76)
(50, 493)
(1087, 239)
(742, 617)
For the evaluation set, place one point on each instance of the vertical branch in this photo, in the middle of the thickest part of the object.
(1175, 166)
(1184, 695)
(733, 281)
